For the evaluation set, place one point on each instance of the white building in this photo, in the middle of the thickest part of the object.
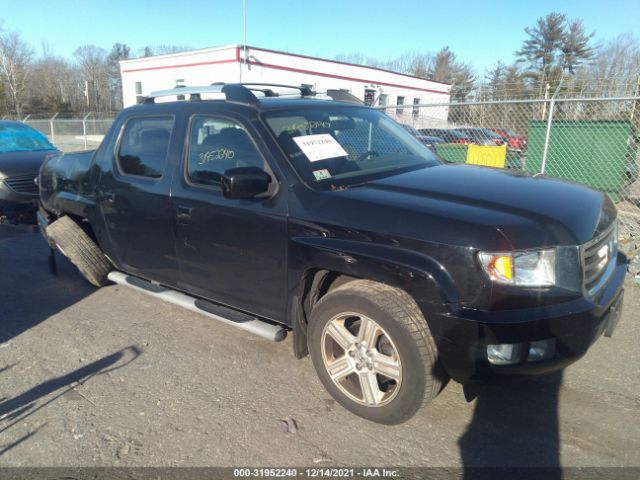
(229, 64)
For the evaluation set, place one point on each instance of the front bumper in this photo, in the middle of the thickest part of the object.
(15, 203)
(462, 338)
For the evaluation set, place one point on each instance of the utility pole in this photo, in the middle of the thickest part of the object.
(86, 92)
(244, 34)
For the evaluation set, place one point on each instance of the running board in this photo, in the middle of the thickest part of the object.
(217, 312)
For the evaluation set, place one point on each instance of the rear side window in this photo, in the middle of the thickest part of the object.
(144, 146)
(215, 146)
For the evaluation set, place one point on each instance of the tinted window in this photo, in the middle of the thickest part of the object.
(144, 146)
(215, 146)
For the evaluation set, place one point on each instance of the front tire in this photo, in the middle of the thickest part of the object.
(74, 243)
(373, 351)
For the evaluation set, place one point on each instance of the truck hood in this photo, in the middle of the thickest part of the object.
(22, 163)
(527, 211)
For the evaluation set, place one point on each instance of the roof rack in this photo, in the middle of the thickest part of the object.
(232, 92)
(243, 92)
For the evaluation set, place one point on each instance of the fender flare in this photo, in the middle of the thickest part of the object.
(420, 275)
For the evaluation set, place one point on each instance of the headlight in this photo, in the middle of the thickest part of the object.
(531, 268)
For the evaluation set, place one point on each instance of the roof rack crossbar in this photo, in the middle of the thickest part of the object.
(304, 91)
(232, 92)
(267, 92)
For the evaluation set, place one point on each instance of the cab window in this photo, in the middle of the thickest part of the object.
(215, 146)
(144, 146)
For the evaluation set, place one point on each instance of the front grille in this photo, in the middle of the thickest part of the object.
(597, 255)
(23, 184)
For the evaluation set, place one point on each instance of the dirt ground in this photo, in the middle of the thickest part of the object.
(113, 377)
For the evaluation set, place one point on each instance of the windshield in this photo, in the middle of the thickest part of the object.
(335, 146)
(21, 138)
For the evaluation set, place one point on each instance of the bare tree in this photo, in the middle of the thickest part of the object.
(15, 57)
(119, 51)
(92, 63)
(358, 59)
(615, 69)
(151, 50)
(53, 86)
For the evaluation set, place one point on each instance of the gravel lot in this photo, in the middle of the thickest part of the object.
(113, 377)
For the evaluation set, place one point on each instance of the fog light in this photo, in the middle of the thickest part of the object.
(504, 353)
(541, 350)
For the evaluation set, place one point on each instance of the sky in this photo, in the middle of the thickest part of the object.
(479, 32)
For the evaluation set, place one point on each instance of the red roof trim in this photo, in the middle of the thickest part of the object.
(237, 59)
(162, 67)
(341, 77)
(344, 63)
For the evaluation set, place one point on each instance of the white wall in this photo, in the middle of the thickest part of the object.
(200, 67)
(203, 67)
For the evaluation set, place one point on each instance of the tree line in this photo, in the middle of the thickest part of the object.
(557, 55)
(89, 82)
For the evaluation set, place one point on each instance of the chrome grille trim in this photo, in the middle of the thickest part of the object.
(598, 258)
(23, 184)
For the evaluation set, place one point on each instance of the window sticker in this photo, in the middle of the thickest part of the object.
(320, 147)
(321, 174)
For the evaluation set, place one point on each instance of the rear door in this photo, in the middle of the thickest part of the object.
(230, 251)
(134, 198)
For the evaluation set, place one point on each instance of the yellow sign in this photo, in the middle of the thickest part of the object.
(487, 156)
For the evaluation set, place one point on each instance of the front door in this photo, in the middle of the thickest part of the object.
(230, 251)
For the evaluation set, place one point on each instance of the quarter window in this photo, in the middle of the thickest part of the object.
(215, 146)
(144, 146)
(400, 101)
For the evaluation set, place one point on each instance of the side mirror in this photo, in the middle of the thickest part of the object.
(245, 182)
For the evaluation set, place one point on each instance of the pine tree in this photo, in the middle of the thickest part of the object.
(553, 48)
(446, 68)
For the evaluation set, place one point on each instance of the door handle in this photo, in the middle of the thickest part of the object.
(184, 215)
(109, 196)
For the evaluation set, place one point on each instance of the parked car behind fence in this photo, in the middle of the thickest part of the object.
(482, 136)
(448, 135)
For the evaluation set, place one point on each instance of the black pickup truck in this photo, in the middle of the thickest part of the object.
(296, 213)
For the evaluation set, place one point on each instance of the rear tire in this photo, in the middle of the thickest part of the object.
(373, 351)
(74, 243)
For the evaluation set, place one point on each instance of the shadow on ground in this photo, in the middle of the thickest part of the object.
(17, 409)
(23, 263)
(514, 425)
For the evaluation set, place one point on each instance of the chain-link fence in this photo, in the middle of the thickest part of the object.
(591, 141)
(70, 134)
